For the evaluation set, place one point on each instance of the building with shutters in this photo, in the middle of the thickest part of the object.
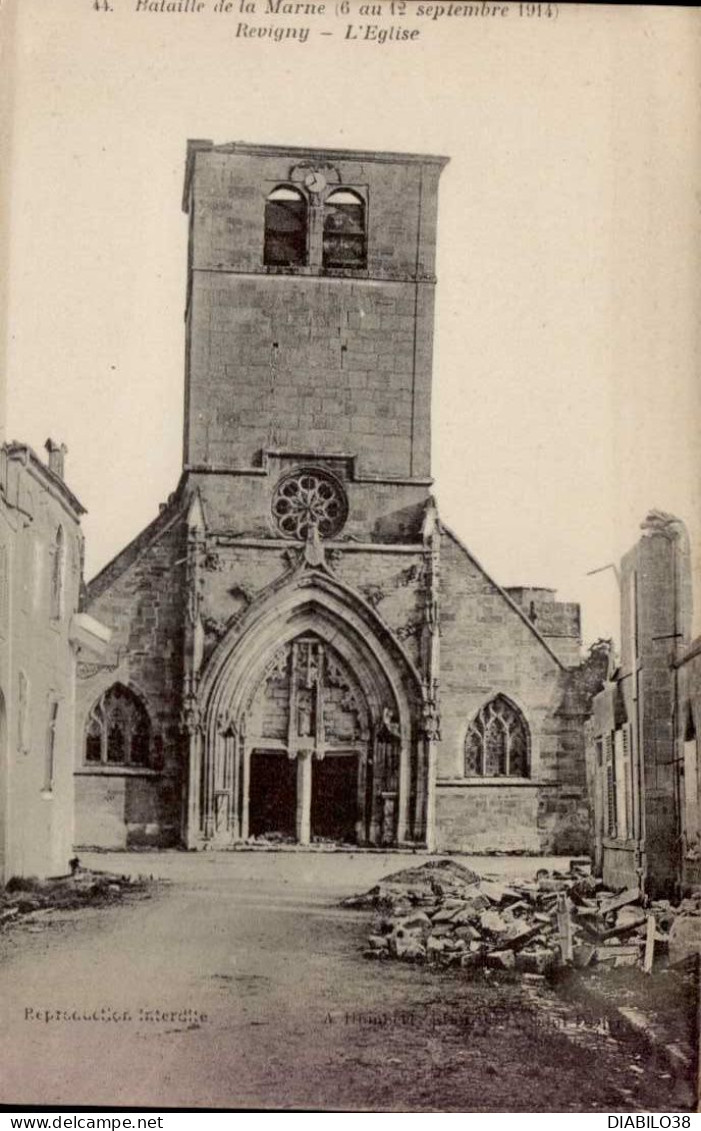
(642, 751)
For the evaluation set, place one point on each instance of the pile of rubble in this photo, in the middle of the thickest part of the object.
(31, 898)
(443, 912)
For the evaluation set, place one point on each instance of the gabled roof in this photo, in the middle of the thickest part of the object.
(171, 512)
(508, 600)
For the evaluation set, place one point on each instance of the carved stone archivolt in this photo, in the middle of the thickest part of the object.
(338, 690)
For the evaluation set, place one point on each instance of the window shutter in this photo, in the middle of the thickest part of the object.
(620, 777)
(610, 785)
(628, 776)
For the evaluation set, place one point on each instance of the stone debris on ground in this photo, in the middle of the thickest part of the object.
(444, 912)
(30, 899)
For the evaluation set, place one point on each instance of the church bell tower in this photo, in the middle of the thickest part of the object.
(307, 480)
(310, 307)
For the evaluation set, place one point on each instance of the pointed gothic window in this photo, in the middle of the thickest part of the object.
(285, 228)
(497, 742)
(118, 731)
(344, 230)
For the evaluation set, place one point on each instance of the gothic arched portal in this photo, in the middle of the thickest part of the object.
(308, 732)
(309, 708)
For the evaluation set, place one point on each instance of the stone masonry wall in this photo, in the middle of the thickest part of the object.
(655, 582)
(144, 604)
(142, 598)
(305, 364)
(377, 512)
(558, 622)
(487, 819)
(645, 696)
(313, 359)
(487, 648)
(229, 185)
(388, 581)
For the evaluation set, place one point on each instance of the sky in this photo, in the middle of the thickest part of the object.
(566, 402)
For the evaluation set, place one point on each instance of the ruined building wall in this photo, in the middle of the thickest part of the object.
(688, 747)
(634, 741)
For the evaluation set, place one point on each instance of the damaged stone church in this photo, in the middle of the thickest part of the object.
(301, 651)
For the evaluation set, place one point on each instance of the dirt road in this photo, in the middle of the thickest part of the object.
(269, 1003)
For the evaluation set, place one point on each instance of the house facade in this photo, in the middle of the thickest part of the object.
(642, 755)
(688, 751)
(300, 650)
(41, 635)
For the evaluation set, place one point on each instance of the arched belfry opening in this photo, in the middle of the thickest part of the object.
(308, 733)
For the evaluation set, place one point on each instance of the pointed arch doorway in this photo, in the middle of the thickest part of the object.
(307, 725)
(308, 731)
(313, 761)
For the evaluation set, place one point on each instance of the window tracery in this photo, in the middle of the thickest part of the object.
(309, 497)
(118, 731)
(497, 742)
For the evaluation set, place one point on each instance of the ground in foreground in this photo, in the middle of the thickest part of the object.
(268, 1003)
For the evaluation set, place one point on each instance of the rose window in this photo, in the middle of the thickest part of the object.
(308, 498)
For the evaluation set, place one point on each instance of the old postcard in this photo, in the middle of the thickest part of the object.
(350, 680)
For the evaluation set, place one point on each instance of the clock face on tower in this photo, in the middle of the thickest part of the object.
(315, 182)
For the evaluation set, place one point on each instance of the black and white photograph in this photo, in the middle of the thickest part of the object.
(350, 557)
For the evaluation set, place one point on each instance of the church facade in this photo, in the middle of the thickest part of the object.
(301, 651)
